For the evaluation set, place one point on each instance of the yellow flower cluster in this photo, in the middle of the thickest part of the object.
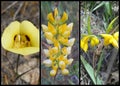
(108, 39)
(58, 33)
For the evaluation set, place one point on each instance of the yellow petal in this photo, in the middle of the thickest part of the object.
(31, 31)
(81, 44)
(106, 36)
(85, 47)
(62, 28)
(51, 18)
(55, 12)
(55, 67)
(48, 35)
(114, 43)
(64, 50)
(116, 35)
(94, 41)
(63, 40)
(56, 43)
(64, 17)
(9, 34)
(51, 28)
(66, 34)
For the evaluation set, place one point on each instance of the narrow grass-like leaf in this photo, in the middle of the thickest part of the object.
(90, 71)
(110, 26)
(108, 8)
(98, 6)
(89, 25)
(100, 62)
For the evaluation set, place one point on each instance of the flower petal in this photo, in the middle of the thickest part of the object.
(116, 35)
(51, 18)
(31, 31)
(9, 34)
(44, 27)
(64, 17)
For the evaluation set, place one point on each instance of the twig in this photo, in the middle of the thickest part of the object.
(6, 79)
(18, 10)
(17, 63)
(9, 7)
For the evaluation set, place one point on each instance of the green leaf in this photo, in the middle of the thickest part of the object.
(89, 25)
(110, 26)
(100, 62)
(90, 71)
(98, 6)
(108, 8)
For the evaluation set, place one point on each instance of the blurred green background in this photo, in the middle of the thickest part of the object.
(72, 9)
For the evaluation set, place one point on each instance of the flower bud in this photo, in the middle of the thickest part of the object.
(53, 72)
(47, 62)
(70, 61)
(65, 72)
(71, 42)
(62, 64)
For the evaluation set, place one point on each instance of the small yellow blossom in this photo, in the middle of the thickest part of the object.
(84, 41)
(65, 72)
(51, 18)
(109, 39)
(64, 17)
(53, 72)
(94, 41)
(62, 64)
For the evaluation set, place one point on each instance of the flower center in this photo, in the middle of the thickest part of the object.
(21, 41)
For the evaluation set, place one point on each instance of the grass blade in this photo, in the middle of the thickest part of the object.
(110, 26)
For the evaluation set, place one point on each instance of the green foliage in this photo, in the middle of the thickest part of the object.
(90, 71)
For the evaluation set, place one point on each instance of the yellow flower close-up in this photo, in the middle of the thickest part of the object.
(21, 38)
(84, 41)
(111, 39)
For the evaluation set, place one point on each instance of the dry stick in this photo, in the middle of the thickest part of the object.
(18, 10)
(110, 64)
(9, 7)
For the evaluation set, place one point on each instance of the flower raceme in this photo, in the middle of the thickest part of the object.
(57, 32)
(111, 39)
(21, 38)
(84, 41)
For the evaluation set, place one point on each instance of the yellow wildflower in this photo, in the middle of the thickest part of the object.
(84, 42)
(109, 39)
(21, 38)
